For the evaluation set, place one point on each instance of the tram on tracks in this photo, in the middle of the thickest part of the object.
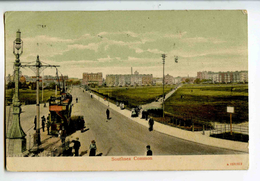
(60, 108)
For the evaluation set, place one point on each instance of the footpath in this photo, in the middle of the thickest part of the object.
(158, 104)
(50, 145)
(197, 137)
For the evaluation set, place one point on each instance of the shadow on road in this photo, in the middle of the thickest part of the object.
(84, 130)
(46, 139)
(50, 145)
(36, 152)
(100, 154)
(108, 151)
(83, 153)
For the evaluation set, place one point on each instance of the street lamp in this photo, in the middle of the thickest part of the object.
(16, 134)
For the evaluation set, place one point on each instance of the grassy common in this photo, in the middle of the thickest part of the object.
(133, 96)
(28, 96)
(209, 102)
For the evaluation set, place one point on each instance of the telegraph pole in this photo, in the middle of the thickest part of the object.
(38, 65)
(42, 83)
(176, 61)
(163, 58)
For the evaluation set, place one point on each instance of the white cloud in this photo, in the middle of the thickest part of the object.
(196, 40)
(107, 59)
(134, 59)
(190, 54)
(142, 60)
(178, 35)
(102, 33)
(75, 62)
(138, 50)
(156, 51)
(203, 40)
(90, 46)
(129, 33)
(45, 38)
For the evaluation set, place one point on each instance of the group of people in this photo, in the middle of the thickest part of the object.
(48, 124)
(93, 148)
(77, 145)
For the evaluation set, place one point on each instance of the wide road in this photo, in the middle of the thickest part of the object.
(120, 136)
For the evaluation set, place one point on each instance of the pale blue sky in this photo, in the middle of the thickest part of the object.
(115, 41)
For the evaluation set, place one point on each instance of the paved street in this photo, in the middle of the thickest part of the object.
(115, 137)
(122, 136)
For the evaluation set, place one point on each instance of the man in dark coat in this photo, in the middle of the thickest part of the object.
(149, 151)
(43, 123)
(146, 115)
(151, 123)
(107, 112)
(48, 124)
(35, 121)
(76, 146)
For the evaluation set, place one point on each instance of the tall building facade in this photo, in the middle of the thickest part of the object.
(92, 78)
(168, 79)
(129, 79)
(224, 77)
(203, 75)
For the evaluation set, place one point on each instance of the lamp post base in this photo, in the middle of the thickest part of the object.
(16, 147)
(37, 138)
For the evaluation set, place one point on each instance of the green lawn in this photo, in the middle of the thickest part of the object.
(28, 96)
(209, 102)
(134, 96)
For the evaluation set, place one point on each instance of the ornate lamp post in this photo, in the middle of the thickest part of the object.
(16, 134)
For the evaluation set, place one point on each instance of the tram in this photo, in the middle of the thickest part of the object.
(60, 108)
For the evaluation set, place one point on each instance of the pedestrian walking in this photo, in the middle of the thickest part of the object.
(151, 123)
(146, 115)
(76, 146)
(92, 148)
(67, 149)
(43, 123)
(76, 100)
(35, 121)
(62, 135)
(149, 152)
(107, 112)
(48, 125)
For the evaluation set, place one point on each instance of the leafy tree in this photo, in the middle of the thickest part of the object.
(187, 80)
(10, 85)
(52, 85)
(197, 81)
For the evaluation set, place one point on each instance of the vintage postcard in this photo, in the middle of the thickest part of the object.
(126, 90)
